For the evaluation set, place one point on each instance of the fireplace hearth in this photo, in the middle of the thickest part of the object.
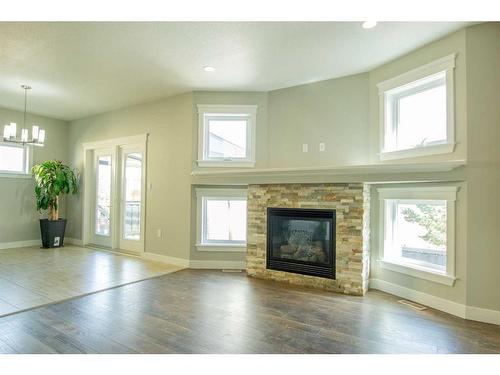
(301, 241)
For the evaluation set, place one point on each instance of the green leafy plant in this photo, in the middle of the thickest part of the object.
(53, 178)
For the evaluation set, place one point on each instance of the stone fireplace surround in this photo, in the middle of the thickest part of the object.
(352, 204)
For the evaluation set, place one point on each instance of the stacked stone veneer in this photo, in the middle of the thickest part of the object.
(351, 202)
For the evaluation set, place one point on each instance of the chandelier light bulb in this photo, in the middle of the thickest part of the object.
(41, 136)
(34, 131)
(6, 132)
(13, 130)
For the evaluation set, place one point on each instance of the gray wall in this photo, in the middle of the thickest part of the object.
(483, 169)
(169, 124)
(334, 112)
(18, 216)
(477, 79)
(454, 43)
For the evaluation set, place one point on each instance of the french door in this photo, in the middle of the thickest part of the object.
(115, 197)
(131, 222)
(103, 197)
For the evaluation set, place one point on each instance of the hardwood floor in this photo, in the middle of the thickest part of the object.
(198, 311)
(31, 276)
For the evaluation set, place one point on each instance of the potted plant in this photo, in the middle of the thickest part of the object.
(52, 179)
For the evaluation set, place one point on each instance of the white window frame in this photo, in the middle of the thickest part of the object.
(415, 194)
(207, 112)
(410, 83)
(204, 194)
(27, 161)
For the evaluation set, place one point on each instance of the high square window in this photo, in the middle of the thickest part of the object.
(14, 159)
(226, 135)
(221, 219)
(417, 111)
(417, 231)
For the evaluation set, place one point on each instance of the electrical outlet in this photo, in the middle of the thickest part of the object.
(159, 233)
(305, 147)
(322, 147)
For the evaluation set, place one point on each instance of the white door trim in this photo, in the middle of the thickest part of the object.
(88, 150)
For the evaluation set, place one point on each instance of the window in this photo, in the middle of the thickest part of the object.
(132, 192)
(103, 195)
(417, 111)
(222, 219)
(417, 231)
(14, 159)
(226, 135)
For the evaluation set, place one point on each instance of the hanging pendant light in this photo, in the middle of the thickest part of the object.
(10, 130)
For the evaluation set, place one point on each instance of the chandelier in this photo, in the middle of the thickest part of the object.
(10, 131)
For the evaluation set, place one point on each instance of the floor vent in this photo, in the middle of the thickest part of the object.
(231, 270)
(413, 305)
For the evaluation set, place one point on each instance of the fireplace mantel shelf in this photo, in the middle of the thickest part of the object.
(347, 170)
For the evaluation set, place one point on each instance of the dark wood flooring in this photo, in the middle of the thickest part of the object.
(195, 311)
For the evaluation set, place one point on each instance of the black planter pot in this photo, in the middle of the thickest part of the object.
(52, 232)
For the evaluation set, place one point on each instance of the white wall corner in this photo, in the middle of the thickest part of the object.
(482, 315)
(73, 241)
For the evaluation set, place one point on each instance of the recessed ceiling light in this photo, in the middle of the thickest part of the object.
(369, 24)
(209, 69)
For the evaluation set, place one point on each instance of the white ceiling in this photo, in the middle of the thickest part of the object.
(80, 69)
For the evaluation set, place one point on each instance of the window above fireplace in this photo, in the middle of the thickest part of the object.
(417, 111)
(417, 232)
(226, 135)
(221, 219)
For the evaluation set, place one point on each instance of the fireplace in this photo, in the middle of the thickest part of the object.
(301, 241)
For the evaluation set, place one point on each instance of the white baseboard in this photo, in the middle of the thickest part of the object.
(73, 241)
(419, 297)
(196, 264)
(438, 303)
(16, 244)
(217, 264)
(181, 262)
(482, 315)
(37, 243)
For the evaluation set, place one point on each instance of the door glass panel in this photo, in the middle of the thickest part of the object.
(132, 194)
(103, 195)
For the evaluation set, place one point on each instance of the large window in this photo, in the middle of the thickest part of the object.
(14, 159)
(226, 135)
(417, 235)
(417, 111)
(222, 219)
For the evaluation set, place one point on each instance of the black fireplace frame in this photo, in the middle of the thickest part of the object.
(298, 266)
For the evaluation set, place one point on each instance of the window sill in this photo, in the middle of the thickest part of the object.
(15, 175)
(418, 272)
(224, 247)
(442, 148)
(225, 163)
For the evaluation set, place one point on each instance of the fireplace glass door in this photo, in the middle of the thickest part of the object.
(301, 241)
